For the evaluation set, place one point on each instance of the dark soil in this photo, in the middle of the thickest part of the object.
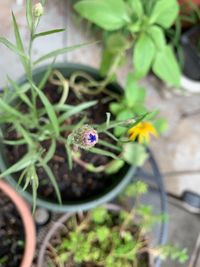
(77, 184)
(11, 234)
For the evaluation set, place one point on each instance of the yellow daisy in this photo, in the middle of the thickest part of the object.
(142, 131)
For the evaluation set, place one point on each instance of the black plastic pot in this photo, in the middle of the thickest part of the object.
(190, 42)
(119, 180)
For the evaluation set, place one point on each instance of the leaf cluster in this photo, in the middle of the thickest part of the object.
(104, 237)
(137, 25)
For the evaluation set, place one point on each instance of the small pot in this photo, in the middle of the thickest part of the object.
(190, 80)
(59, 224)
(120, 181)
(28, 223)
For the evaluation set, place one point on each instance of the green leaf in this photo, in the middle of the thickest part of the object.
(107, 14)
(116, 43)
(12, 47)
(134, 94)
(49, 109)
(99, 215)
(4, 107)
(27, 160)
(52, 178)
(50, 151)
(137, 7)
(114, 166)
(77, 109)
(115, 107)
(29, 14)
(161, 125)
(40, 34)
(60, 51)
(164, 13)
(134, 154)
(166, 67)
(20, 93)
(157, 34)
(143, 55)
(123, 115)
(19, 42)
(103, 152)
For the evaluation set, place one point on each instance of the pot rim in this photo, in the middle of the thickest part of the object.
(27, 220)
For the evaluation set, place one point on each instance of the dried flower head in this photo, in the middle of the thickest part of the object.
(85, 137)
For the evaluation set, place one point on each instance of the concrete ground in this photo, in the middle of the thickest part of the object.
(177, 152)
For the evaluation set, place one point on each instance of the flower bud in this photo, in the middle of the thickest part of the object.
(85, 137)
(38, 10)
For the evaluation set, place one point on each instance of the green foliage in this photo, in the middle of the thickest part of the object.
(138, 24)
(110, 14)
(110, 238)
(134, 154)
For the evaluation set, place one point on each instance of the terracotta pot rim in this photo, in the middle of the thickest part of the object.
(28, 223)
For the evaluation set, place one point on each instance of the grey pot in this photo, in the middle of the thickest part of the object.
(120, 181)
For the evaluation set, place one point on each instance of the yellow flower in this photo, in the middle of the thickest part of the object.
(142, 131)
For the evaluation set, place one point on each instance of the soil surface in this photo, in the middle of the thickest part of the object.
(11, 234)
(77, 184)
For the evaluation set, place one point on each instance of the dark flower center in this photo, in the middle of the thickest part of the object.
(92, 138)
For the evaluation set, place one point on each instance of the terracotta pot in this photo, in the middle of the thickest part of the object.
(27, 219)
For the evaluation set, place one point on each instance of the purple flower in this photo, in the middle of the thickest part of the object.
(85, 137)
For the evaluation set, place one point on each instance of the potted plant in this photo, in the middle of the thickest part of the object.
(17, 229)
(135, 28)
(58, 136)
(107, 236)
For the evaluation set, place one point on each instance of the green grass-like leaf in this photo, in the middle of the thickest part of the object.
(49, 109)
(58, 52)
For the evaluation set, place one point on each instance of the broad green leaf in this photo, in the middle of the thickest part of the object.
(123, 115)
(134, 154)
(115, 107)
(107, 14)
(117, 42)
(164, 13)
(76, 109)
(49, 109)
(143, 55)
(60, 51)
(40, 34)
(137, 7)
(29, 14)
(12, 47)
(166, 67)
(161, 125)
(114, 166)
(158, 36)
(25, 161)
(134, 94)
